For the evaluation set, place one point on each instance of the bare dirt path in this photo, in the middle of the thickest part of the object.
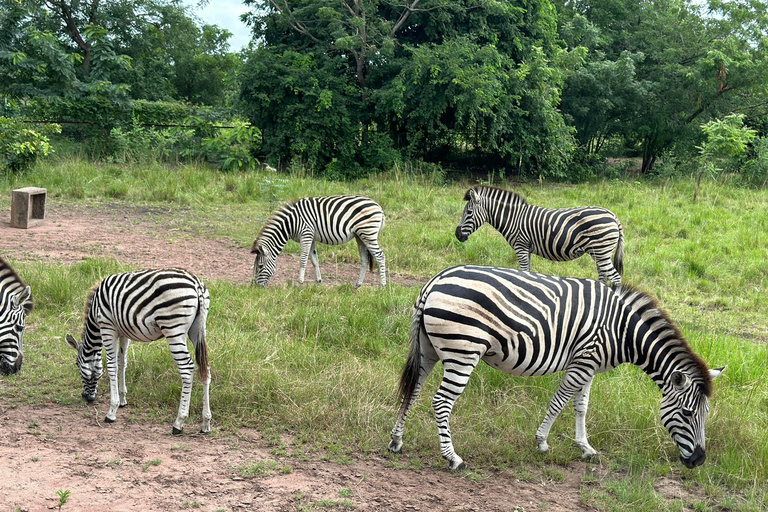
(137, 465)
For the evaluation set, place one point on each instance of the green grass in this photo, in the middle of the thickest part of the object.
(322, 363)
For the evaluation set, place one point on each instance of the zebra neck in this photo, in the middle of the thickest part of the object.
(503, 214)
(283, 227)
(654, 347)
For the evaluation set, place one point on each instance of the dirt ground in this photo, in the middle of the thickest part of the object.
(138, 465)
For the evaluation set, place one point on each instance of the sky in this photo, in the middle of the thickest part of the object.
(226, 14)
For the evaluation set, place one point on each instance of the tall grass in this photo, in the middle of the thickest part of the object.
(323, 362)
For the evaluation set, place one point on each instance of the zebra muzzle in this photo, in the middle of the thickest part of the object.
(696, 459)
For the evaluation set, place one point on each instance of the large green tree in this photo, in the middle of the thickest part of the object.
(144, 49)
(365, 80)
(656, 70)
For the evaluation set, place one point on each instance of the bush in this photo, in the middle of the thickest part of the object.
(20, 147)
(754, 172)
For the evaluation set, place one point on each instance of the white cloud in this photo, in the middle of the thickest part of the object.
(226, 14)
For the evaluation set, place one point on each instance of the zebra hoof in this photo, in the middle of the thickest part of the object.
(107, 420)
(395, 446)
(460, 467)
(591, 457)
(177, 431)
(121, 406)
(204, 432)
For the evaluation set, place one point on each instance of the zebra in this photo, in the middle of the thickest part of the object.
(330, 220)
(145, 305)
(15, 304)
(529, 324)
(559, 235)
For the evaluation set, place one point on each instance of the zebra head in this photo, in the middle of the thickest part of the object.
(264, 265)
(684, 409)
(473, 217)
(90, 366)
(12, 330)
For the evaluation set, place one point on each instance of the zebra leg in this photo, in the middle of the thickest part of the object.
(605, 269)
(427, 365)
(580, 404)
(455, 378)
(523, 257)
(122, 363)
(373, 250)
(306, 246)
(315, 262)
(178, 345)
(362, 250)
(108, 337)
(571, 383)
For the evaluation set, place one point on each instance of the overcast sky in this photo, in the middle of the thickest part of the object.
(226, 14)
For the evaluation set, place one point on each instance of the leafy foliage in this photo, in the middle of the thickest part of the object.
(365, 83)
(20, 147)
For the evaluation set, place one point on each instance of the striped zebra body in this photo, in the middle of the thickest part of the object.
(145, 306)
(556, 234)
(329, 220)
(15, 304)
(527, 324)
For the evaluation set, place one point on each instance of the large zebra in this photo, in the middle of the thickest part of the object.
(559, 235)
(15, 304)
(145, 305)
(532, 324)
(330, 220)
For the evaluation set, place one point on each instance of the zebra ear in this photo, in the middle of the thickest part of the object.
(715, 372)
(254, 247)
(680, 381)
(72, 341)
(473, 195)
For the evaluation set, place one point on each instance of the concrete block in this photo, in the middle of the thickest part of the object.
(28, 207)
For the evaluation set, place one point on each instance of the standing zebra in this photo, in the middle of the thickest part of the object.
(15, 304)
(145, 305)
(558, 235)
(533, 324)
(330, 220)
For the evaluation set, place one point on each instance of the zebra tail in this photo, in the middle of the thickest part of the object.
(197, 334)
(410, 377)
(618, 256)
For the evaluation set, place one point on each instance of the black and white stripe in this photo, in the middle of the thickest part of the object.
(525, 323)
(559, 235)
(15, 304)
(145, 306)
(329, 220)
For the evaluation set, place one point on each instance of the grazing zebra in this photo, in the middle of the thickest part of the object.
(532, 324)
(558, 235)
(15, 304)
(145, 305)
(330, 220)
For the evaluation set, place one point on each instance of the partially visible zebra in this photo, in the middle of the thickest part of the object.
(329, 220)
(145, 305)
(15, 304)
(525, 323)
(559, 235)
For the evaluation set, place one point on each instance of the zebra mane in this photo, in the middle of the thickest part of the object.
(88, 303)
(269, 222)
(505, 195)
(642, 303)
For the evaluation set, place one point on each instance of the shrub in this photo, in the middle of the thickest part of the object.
(755, 170)
(20, 147)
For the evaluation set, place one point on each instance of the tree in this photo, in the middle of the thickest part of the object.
(657, 70)
(427, 78)
(725, 140)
